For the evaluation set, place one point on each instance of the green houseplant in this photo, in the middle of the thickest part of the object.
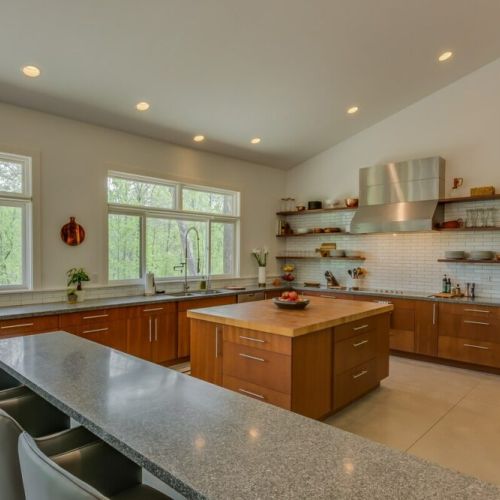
(76, 276)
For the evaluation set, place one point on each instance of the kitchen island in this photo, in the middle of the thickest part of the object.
(210, 443)
(313, 361)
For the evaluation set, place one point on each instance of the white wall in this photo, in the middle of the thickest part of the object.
(461, 123)
(74, 158)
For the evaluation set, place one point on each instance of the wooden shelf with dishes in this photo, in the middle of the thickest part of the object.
(311, 233)
(294, 257)
(470, 261)
(468, 229)
(468, 199)
(315, 211)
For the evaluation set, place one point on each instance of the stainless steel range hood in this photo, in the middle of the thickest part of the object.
(400, 197)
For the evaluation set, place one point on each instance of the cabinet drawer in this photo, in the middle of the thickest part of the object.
(257, 392)
(23, 326)
(474, 351)
(257, 366)
(260, 340)
(470, 327)
(355, 328)
(355, 382)
(470, 310)
(355, 351)
(91, 317)
(112, 334)
(152, 309)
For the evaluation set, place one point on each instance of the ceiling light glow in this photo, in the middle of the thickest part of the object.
(31, 71)
(255, 140)
(142, 106)
(445, 56)
(352, 110)
(198, 138)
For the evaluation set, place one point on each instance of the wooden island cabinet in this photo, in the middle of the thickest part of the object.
(313, 362)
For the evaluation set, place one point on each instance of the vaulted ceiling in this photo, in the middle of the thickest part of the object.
(282, 70)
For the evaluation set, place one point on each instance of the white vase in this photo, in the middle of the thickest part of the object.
(262, 276)
(81, 295)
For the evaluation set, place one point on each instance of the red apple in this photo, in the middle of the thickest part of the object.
(285, 295)
(293, 296)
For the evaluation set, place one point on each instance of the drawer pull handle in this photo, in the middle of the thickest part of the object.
(477, 346)
(470, 322)
(252, 339)
(153, 309)
(250, 393)
(96, 330)
(357, 344)
(19, 325)
(483, 311)
(254, 358)
(362, 327)
(96, 316)
(382, 302)
(360, 374)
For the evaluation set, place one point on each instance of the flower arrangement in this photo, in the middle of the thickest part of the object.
(260, 255)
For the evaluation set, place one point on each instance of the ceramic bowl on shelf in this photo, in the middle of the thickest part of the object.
(288, 304)
(351, 202)
(352, 253)
(301, 230)
(300, 207)
(337, 253)
(331, 230)
(481, 255)
(454, 254)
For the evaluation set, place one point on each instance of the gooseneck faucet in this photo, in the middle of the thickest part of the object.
(184, 265)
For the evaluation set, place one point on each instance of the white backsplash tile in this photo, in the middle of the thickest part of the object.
(404, 261)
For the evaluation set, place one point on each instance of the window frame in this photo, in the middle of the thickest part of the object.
(177, 213)
(24, 201)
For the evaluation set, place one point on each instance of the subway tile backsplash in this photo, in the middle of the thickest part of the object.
(403, 261)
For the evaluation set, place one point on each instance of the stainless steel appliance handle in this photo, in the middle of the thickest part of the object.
(250, 393)
(477, 346)
(95, 330)
(18, 325)
(254, 358)
(360, 374)
(357, 344)
(252, 339)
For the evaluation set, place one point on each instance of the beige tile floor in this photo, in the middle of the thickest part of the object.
(446, 415)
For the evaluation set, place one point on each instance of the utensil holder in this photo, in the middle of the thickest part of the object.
(354, 283)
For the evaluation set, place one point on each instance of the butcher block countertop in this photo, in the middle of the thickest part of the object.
(265, 316)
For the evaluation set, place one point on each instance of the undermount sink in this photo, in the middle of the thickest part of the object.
(190, 294)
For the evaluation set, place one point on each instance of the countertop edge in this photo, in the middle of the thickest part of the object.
(214, 317)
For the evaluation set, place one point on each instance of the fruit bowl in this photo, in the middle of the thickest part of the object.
(289, 304)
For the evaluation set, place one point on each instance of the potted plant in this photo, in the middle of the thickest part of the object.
(72, 296)
(75, 277)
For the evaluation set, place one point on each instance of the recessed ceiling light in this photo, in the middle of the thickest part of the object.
(352, 110)
(142, 106)
(198, 138)
(255, 140)
(445, 56)
(31, 71)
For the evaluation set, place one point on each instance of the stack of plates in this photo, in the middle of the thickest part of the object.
(454, 254)
(481, 255)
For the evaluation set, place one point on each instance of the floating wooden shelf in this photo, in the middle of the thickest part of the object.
(469, 261)
(293, 257)
(317, 211)
(467, 199)
(338, 233)
(467, 229)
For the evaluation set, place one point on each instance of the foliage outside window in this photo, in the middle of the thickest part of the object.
(15, 221)
(148, 220)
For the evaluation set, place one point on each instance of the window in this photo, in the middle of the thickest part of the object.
(148, 220)
(15, 222)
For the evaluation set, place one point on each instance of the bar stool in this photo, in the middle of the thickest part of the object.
(93, 470)
(22, 410)
(8, 385)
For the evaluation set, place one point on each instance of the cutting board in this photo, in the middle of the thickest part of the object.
(443, 295)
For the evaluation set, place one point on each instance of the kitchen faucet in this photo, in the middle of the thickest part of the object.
(183, 265)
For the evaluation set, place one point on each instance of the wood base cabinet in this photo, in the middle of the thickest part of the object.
(313, 374)
(152, 332)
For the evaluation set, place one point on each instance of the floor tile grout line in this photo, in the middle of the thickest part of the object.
(442, 416)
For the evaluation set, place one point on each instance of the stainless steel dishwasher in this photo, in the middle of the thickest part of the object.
(251, 297)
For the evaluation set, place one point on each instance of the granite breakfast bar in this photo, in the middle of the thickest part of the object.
(207, 442)
(312, 361)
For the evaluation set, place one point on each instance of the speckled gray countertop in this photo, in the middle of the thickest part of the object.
(208, 442)
(24, 311)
